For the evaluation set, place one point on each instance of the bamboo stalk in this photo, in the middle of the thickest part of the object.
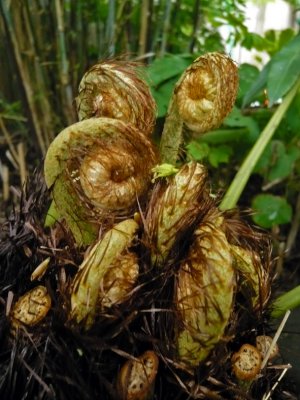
(5, 182)
(13, 161)
(110, 27)
(64, 65)
(166, 27)
(175, 22)
(239, 182)
(22, 163)
(29, 94)
(143, 27)
(196, 25)
(8, 139)
(157, 22)
(98, 29)
(128, 37)
(80, 47)
(40, 81)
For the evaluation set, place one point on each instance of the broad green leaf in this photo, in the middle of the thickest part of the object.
(258, 86)
(197, 151)
(52, 215)
(282, 168)
(237, 119)
(256, 41)
(162, 96)
(274, 151)
(285, 302)
(247, 75)
(264, 161)
(167, 67)
(271, 210)
(292, 120)
(284, 70)
(277, 162)
(285, 36)
(216, 155)
(278, 39)
(284, 164)
(220, 154)
(221, 136)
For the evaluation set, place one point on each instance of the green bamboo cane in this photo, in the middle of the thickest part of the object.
(197, 19)
(28, 89)
(143, 27)
(240, 180)
(166, 27)
(110, 27)
(64, 65)
(41, 79)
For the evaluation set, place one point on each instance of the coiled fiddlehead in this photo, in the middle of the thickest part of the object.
(98, 168)
(114, 89)
(202, 98)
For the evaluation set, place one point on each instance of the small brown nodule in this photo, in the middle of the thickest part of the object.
(246, 363)
(263, 343)
(137, 377)
(32, 307)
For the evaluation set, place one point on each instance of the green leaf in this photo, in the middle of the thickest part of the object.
(258, 85)
(197, 151)
(284, 70)
(292, 118)
(247, 75)
(278, 39)
(277, 161)
(285, 302)
(271, 210)
(221, 136)
(220, 154)
(281, 169)
(167, 67)
(264, 161)
(237, 119)
(52, 215)
(256, 41)
(284, 165)
(162, 96)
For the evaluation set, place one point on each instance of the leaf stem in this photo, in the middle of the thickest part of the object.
(171, 138)
(240, 180)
